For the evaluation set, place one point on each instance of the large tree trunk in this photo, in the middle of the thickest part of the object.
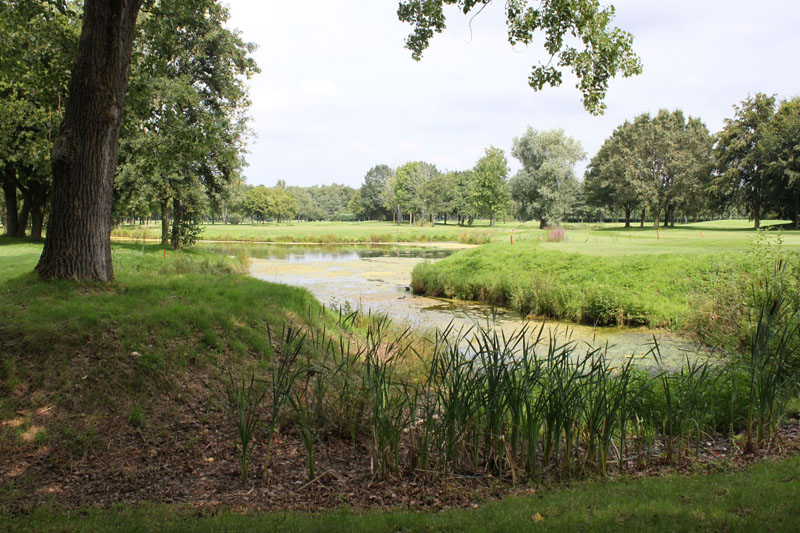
(37, 221)
(641, 219)
(757, 211)
(12, 220)
(84, 153)
(176, 223)
(164, 222)
(37, 191)
(627, 217)
(22, 220)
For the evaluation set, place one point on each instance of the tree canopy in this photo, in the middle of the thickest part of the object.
(577, 34)
(545, 188)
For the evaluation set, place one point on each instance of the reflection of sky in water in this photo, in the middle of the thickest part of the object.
(378, 280)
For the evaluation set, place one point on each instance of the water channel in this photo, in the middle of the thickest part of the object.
(377, 278)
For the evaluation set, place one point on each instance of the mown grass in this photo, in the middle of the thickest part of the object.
(607, 278)
(333, 232)
(765, 497)
(599, 239)
(103, 349)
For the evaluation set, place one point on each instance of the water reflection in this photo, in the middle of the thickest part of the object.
(377, 278)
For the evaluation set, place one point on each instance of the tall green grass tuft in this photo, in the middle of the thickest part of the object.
(244, 401)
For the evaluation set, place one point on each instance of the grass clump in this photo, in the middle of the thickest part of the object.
(655, 290)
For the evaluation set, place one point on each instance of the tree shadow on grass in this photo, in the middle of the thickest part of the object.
(695, 227)
(8, 240)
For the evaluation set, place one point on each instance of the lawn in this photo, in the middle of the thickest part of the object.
(601, 239)
(613, 275)
(765, 497)
(110, 390)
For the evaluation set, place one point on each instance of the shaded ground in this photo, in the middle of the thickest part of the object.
(191, 459)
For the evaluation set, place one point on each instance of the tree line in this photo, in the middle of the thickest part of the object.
(669, 165)
(181, 147)
(84, 154)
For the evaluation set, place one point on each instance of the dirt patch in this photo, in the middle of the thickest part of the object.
(184, 452)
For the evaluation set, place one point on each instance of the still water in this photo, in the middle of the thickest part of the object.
(377, 278)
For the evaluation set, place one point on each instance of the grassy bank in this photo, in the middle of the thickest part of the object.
(185, 381)
(660, 279)
(765, 497)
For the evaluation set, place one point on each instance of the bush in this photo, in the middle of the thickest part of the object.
(234, 218)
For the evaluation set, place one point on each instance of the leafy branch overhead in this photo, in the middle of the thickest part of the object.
(577, 34)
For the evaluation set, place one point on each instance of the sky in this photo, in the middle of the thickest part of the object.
(338, 93)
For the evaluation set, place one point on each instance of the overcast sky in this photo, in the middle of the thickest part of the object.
(339, 93)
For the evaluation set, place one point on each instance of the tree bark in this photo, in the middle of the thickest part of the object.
(627, 217)
(757, 210)
(22, 220)
(641, 219)
(164, 222)
(176, 223)
(12, 215)
(84, 153)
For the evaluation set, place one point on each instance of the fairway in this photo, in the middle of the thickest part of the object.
(599, 239)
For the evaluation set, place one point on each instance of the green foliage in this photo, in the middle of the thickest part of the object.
(782, 145)
(244, 401)
(372, 192)
(136, 416)
(185, 123)
(662, 162)
(410, 184)
(604, 51)
(545, 188)
(38, 47)
(635, 289)
(741, 155)
(490, 195)
(261, 203)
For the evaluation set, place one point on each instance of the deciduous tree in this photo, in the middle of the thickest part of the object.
(601, 52)
(545, 187)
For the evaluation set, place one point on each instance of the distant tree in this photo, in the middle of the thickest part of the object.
(390, 200)
(307, 209)
(612, 178)
(282, 205)
(409, 187)
(462, 185)
(675, 158)
(371, 197)
(545, 188)
(183, 135)
(37, 48)
(742, 156)
(331, 200)
(437, 196)
(256, 203)
(603, 51)
(356, 206)
(490, 194)
(782, 147)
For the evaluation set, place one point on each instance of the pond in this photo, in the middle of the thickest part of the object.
(377, 277)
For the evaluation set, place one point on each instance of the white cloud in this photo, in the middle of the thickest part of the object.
(338, 92)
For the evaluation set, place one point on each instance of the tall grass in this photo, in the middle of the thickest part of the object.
(528, 405)
(244, 400)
